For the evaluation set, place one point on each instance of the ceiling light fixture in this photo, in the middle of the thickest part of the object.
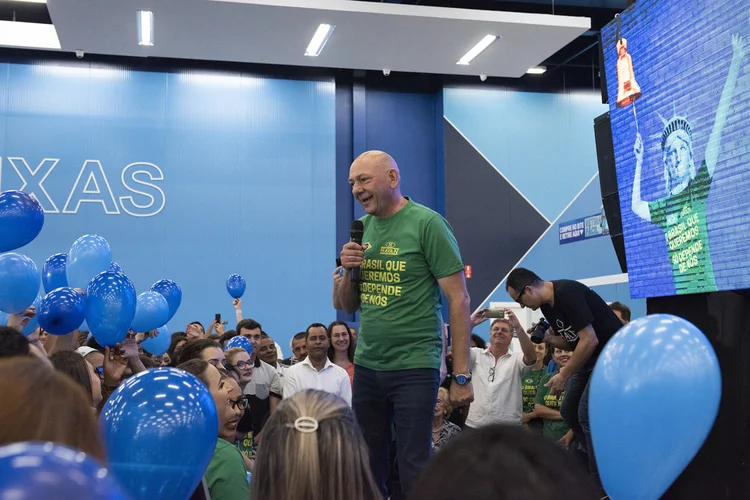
(319, 39)
(477, 49)
(145, 28)
(30, 1)
(28, 35)
(539, 70)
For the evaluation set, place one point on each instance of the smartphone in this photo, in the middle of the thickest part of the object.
(217, 318)
(495, 312)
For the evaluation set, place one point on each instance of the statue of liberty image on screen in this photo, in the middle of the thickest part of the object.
(681, 212)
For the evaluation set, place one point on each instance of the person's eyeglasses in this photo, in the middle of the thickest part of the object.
(240, 403)
(520, 295)
(242, 364)
(492, 374)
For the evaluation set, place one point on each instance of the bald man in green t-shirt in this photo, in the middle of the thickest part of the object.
(407, 257)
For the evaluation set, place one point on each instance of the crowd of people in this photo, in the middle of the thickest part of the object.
(405, 406)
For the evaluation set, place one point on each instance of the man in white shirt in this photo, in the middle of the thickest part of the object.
(316, 371)
(496, 373)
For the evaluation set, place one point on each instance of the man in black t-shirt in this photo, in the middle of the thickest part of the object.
(580, 322)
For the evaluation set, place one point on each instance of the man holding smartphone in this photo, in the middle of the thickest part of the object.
(580, 322)
(497, 372)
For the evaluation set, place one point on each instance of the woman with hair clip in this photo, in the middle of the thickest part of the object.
(341, 352)
(312, 441)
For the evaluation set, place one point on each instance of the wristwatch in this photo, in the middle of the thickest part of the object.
(462, 379)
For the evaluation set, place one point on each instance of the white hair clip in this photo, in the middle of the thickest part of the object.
(307, 425)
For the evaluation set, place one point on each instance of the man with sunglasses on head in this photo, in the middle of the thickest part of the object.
(497, 373)
(580, 321)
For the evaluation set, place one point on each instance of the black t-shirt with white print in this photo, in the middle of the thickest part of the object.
(576, 307)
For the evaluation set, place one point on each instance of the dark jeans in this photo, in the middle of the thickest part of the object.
(405, 398)
(575, 412)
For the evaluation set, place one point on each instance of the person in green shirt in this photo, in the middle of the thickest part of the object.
(407, 257)
(547, 405)
(529, 383)
(681, 213)
(226, 476)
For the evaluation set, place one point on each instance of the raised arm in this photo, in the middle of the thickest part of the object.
(714, 140)
(527, 346)
(639, 206)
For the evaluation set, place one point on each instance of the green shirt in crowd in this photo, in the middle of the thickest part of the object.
(400, 303)
(226, 476)
(682, 217)
(553, 429)
(529, 383)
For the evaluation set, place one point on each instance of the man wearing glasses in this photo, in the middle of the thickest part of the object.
(580, 322)
(497, 373)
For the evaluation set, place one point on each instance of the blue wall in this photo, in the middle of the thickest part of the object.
(244, 167)
(252, 173)
(543, 145)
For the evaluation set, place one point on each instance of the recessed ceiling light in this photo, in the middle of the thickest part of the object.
(537, 70)
(319, 39)
(28, 35)
(477, 49)
(145, 28)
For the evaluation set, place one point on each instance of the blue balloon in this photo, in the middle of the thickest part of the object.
(19, 282)
(84, 327)
(151, 312)
(158, 345)
(236, 286)
(115, 267)
(239, 341)
(21, 219)
(160, 428)
(4, 318)
(62, 311)
(653, 399)
(33, 322)
(54, 273)
(110, 307)
(89, 256)
(172, 292)
(47, 470)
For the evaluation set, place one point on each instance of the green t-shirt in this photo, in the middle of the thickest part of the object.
(553, 429)
(529, 383)
(682, 217)
(400, 305)
(226, 476)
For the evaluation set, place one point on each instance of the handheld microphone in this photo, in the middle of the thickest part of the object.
(358, 229)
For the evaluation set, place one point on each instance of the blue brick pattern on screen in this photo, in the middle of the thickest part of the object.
(681, 52)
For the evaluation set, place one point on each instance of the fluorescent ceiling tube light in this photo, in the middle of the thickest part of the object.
(319, 39)
(145, 28)
(537, 70)
(30, 1)
(477, 49)
(28, 35)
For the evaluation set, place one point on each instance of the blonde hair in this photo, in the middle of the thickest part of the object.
(448, 406)
(231, 353)
(330, 463)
